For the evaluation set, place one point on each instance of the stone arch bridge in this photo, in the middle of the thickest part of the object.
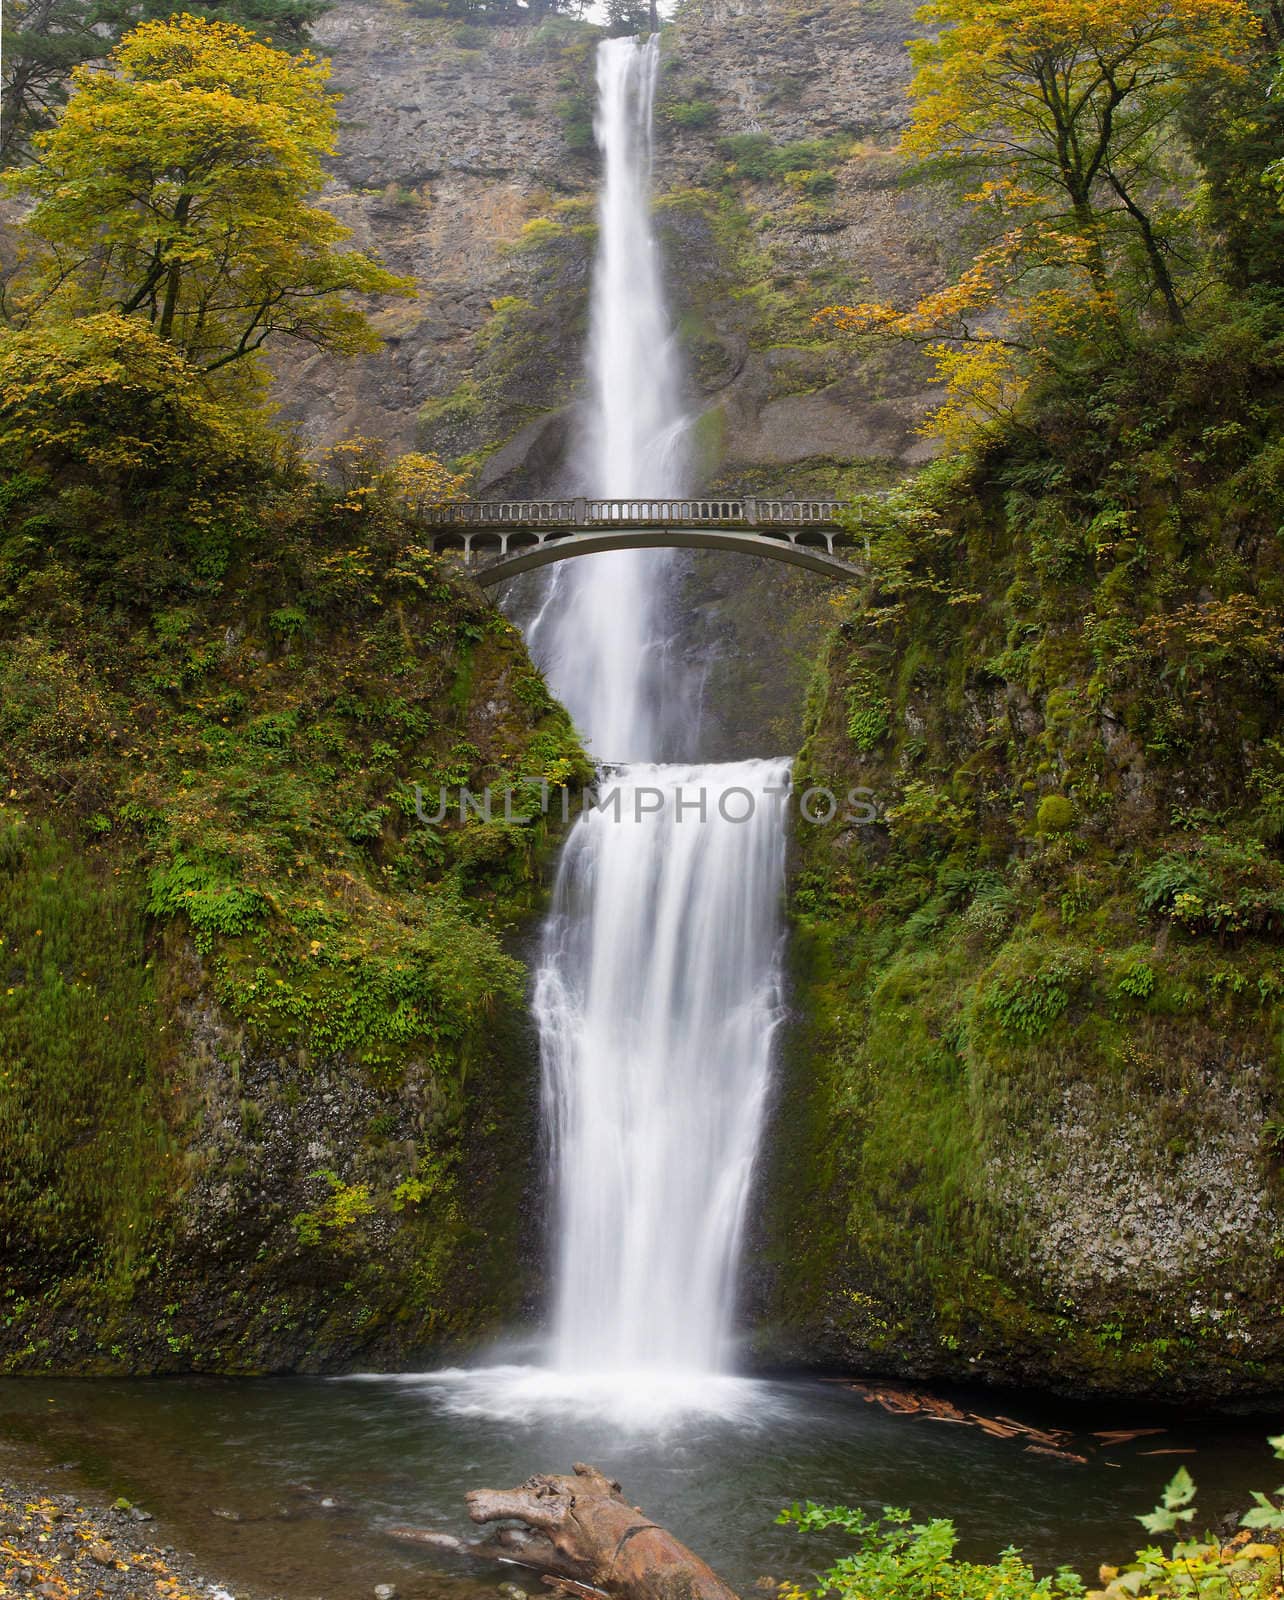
(501, 538)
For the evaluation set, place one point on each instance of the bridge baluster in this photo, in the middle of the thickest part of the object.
(493, 526)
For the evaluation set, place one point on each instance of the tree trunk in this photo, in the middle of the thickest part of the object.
(582, 1529)
(1154, 254)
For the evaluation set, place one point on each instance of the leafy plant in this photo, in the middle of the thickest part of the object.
(898, 1559)
(1137, 980)
(691, 113)
(200, 890)
(1267, 1513)
(343, 1208)
(1176, 1509)
(1028, 1003)
(869, 711)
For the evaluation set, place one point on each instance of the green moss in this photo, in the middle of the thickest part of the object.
(460, 405)
(1055, 814)
(1035, 941)
(216, 870)
(85, 1145)
(690, 113)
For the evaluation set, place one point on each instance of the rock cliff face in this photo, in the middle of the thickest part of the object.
(466, 154)
(1020, 1130)
(467, 159)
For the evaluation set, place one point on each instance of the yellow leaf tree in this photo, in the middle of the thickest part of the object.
(177, 187)
(1070, 104)
(1065, 116)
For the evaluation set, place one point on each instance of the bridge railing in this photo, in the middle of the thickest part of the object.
(490, 513)
(585, 512)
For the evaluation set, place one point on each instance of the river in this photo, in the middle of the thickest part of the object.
(269, 1452)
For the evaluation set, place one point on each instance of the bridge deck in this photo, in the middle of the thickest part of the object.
(518, 535)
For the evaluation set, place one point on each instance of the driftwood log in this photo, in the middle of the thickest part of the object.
(580, 1531)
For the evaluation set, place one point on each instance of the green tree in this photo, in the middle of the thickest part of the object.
(631, 16)
(44, 39)
(1235, 126)
(176, 187)
(1066, 119)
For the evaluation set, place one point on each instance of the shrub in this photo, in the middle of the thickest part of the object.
(1137, 980)
(925, 816)
(992, 911)
(106, 393)
(201, 891)
(1267, 781)
(691, 113)
(752, 155)
(869, 712)
(1165, 880)
(1227, 887)
(575, 112)
(1026, 1004)
(897, 1559)
(345, 1205)
(749, 154)
(813, 183)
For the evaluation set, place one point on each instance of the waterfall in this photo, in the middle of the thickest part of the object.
(657, 999)
(599, 633)
(658, 985)
(658, 990)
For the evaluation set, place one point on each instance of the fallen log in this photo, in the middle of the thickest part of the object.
(581, 1528)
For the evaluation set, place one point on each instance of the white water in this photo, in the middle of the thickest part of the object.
(657, 1002)
(658, 991)
(600, 633)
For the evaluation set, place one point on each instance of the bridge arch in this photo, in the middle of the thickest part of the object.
(566, 547)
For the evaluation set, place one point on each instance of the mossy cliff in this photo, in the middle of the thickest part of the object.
(1032, 1122)
(266, 1084)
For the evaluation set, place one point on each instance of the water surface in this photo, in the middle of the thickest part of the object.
(239, 1471)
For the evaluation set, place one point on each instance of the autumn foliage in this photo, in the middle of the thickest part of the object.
(1063, 118)
(174, 234)
(177, 187)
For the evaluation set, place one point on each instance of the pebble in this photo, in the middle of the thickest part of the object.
(510, 1591)
(385, 1591)
(57, 1547)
